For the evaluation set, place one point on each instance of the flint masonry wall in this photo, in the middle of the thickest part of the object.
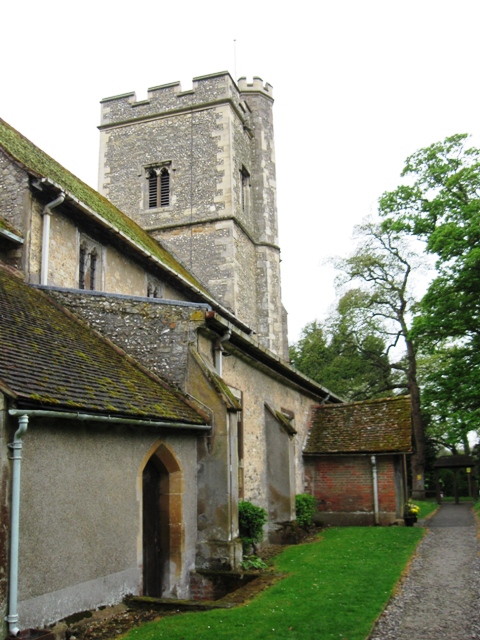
(154, 332)
(207, 137)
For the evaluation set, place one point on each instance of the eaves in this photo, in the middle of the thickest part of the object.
(263, 359)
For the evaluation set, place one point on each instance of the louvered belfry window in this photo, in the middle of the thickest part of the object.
(158, 188)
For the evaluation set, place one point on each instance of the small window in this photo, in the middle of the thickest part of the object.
(155, 288)
(158, 180)
(245, 190)
(88, 265)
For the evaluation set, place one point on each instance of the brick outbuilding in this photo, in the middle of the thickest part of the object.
(355, 460)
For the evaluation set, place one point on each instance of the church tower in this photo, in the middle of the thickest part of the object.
(196, 169)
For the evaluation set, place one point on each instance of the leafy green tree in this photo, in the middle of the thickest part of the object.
(448, 423)
(343, 354)
(440, 204)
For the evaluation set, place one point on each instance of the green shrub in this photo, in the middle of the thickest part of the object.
(305, 507)
(250, 521)
(253, 562)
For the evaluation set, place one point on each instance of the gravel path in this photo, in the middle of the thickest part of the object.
(440, 598)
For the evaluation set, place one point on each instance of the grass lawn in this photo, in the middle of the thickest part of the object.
(335, 588)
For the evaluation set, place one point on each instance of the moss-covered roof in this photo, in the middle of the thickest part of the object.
(282, 419)
(42, 165)
(222, 389)
(50, 360)
(6, 226)
(372, 426)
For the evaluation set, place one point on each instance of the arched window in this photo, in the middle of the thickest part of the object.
(89, 265)
(158, 188)
(245, 190)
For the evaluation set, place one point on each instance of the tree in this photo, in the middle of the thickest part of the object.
(441, 205)
(383, 264)
(448, 423)
(342, 353)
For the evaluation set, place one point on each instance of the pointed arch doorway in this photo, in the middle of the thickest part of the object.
(162, 488)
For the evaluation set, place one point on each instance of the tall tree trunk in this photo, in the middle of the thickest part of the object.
(418, 457)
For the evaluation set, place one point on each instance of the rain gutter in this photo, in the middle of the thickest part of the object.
(68, 415)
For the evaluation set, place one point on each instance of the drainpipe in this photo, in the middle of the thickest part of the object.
(375, 488)
(16, 457)
(47, 212)
(219, 350)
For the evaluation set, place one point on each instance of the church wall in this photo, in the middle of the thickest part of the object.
(217, 475)
(206, 251)
(243, 157)
(122, 275)
(116, 272)
(263, 170)
(270, 313)
(245, 286)
(63, 252)
(155, 333)
(259, 388)
(158, 336)
(81, 515)
(14, 193)
(190, 142)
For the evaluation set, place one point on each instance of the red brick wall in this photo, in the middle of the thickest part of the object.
(345, 484)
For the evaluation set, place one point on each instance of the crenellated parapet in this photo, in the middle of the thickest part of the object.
(165, 98)
(257, 86)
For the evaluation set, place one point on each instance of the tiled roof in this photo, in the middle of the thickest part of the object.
(42, 165)
(222, 389)
(6, 226)
(372, 426)
(50, 360)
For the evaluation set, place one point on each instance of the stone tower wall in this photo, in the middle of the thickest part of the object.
(206, 137)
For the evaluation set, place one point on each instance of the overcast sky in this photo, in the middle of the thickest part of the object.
(358, 86)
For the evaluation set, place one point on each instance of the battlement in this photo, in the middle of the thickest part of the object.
(256, 86)
(170, 97)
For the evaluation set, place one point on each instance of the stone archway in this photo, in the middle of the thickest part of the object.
(162, 523)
